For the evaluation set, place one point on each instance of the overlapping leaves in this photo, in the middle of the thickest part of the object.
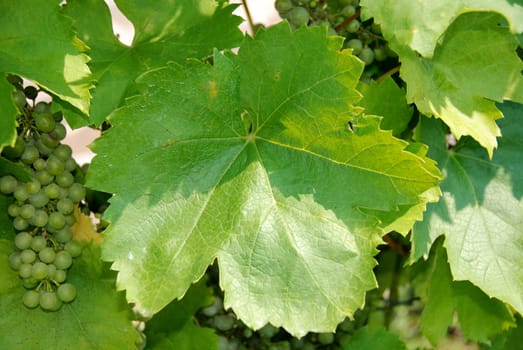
(165, 31)
(33, 37)
(250, 161)
(481, 211)
(448, 52)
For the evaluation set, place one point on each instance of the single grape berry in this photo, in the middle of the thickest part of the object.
(14, 261)
(23, 240)
(49, 301)
(8, 184)
(39, 270)
(66, 292)
(63, 260)
(47, 255)
(74, 248)
(38, 243)
(40, 218)
(298, 16)
(31, 299)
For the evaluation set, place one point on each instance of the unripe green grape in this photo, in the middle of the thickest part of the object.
(33, 186)
(326, 338)
(356, 45)
(47, 255)
(8, 184)
(60, 276)
(23, 240)
(56, 220)
(14, 152)
(353, 26)
(20, 193)
(51, 271)
(27, 211)
(15, 261)
(30, 282)
(223, 322)
(44, 122)
(63, 152)
(380, 54)
(69, 220)
(64, 235)
(48, 140)
(70, 165)
(58, 116)
(13, 210)
(38, 243)
(43, 149)
(348, 11)
(59, 131)
(52, 191)
(39, 270)
(44, 177)
(65, 206)
(42, 107)
(298, 16)
(49, 301)
(40, 218)
(74, 248)
(30, 154)
(25, 270)
(66, 292)
(367, 55)
(283, 6)
(31, 299)
(30, 92)
(39, 200)
(268, 331)
(63, 260)
(54, 165)
(20, 224)
(19, 99)
(65, 179)
(76, 192)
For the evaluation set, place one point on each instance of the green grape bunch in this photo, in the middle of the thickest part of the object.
(342, 18)
(42, 208)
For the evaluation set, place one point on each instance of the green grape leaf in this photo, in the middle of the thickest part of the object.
(6, 226)
(420, 25)
(253, 164)
(164, 31)
(98, 318)
(481, 211)
(49, 42)
(473, 64)
(9, 112)
(173, 327)
(379, 339)
(388, 100)
(480, 317)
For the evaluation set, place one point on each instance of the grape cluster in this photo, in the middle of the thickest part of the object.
(235, 335)
(42, 208)
(342, 17)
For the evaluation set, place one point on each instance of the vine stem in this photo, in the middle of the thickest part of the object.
(249, 17)
(346, 21)
(388, 73)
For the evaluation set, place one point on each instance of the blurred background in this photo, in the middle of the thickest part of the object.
(262, 11)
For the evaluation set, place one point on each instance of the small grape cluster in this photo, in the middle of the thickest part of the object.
(235, 335)
(342, 17)
(42, 208)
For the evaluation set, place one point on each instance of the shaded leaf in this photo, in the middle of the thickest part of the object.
(378, 339)
(481, 211)
(165, 31)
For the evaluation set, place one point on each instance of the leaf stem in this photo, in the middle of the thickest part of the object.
(249, 17)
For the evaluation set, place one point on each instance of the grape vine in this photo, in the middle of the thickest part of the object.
(42, 208)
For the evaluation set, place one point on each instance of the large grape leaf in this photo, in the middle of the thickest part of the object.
(480, 317)
(37, 42)
(469, 63)
(250, 161)
(98, 318)
(481, 211)
(165, 30)
(378, 339)
(9, 112)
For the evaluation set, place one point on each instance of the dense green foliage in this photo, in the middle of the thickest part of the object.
(350, 178)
